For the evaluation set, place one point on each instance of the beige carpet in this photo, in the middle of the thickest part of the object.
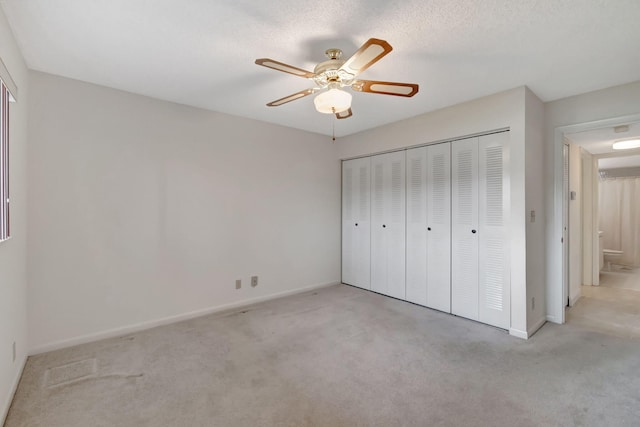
(339, 356)
(613, 307)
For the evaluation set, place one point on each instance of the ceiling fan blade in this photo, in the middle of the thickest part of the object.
(293, 97)
(344, 114)
(279, 66)
(370, 52)
(385, 88)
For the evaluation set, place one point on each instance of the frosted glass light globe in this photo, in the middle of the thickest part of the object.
(333, 101)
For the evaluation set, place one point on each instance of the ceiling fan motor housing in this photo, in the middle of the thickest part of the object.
(329, 72)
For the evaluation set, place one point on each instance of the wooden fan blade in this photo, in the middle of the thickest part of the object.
(293, 97)
(345, 114)
(279, 66)
(385, 88)
(370, 52)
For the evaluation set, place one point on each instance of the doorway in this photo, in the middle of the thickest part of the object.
(601, 222)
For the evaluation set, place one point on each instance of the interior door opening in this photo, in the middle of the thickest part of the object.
(601, 228)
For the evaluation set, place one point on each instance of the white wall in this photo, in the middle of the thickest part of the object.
(575, 223)
(502, 110)
(143, 210)
(534, 117)
(13, 278)
(618, 101)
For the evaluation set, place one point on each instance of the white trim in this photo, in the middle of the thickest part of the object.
(556, 306)
(525, 335)
(518, 333)
(14, 388)
(425, 144)
(111, 333)
(5, 76)
(539, 324)
(595, 225)
(575, 298)
(555, 288)
(552, 319)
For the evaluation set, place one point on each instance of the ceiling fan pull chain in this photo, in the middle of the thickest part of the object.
(333, 124)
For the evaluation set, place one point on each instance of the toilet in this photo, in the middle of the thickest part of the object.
(611, 256)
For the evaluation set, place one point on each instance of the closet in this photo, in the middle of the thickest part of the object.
(437, 234)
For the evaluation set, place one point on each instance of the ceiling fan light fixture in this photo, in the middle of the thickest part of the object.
(333, 101)
(626, 144)
(334, 74)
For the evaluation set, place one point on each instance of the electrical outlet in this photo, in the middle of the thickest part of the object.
(533, 303)
(14, 351)
(238, 284)
(254, 281)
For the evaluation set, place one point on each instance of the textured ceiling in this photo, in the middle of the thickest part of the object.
(600, 141)
(202, 52)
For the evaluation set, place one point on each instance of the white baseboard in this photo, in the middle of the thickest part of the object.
(553, 319)
(575, 299)
(518, 333)
(111, 333)
(532, 330)
(12, 392)
(525, 335)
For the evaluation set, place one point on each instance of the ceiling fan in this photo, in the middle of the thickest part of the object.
(335, 74)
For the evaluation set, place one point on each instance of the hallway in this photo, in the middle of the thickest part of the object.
(613, 307)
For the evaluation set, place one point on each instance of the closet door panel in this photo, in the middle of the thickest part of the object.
(348, 222)
(356, 223)
(464, 235)
(439, 227)
(379, 245)
(363, 227)
(493, 272)
(416, 280)
(388, 224)
(397, 219)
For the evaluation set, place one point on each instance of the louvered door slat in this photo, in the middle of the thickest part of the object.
(493, 277)
(416, 288)
(348, 223)
(379, 267)
(439, 227)
(356, 237)
(388, 224)
(464, 235)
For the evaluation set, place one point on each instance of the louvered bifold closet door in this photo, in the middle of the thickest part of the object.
(388, 224)
(493, 272)
(464, 228)
(417, 226)
(439, 227)
(356, 223)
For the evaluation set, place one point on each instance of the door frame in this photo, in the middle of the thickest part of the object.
(566, 220)
(557, 295)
